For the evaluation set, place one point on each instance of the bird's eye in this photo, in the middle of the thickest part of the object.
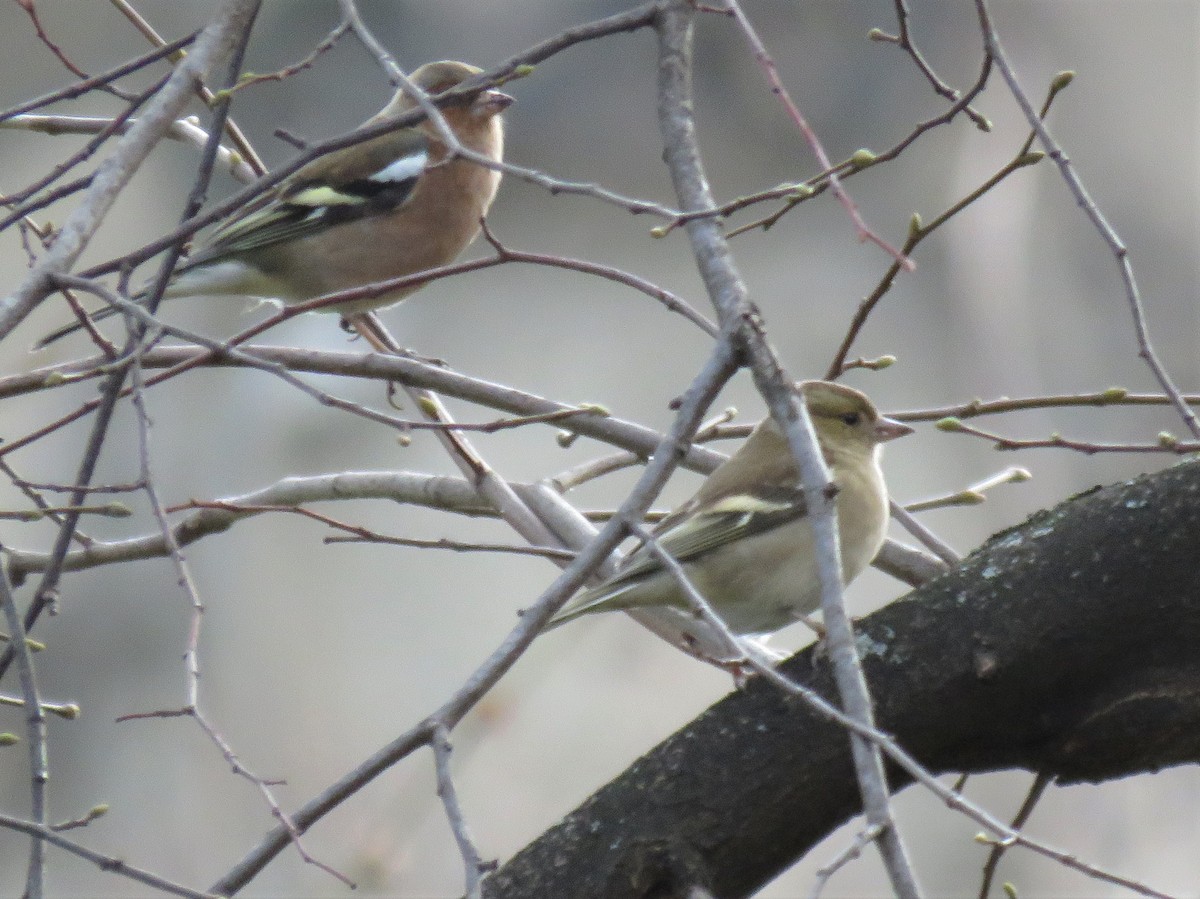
(852, 418)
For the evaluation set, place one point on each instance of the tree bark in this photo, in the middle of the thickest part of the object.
(1066, 645)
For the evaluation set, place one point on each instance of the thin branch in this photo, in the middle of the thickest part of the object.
(905, 42)
(235, 134)
(106, 863)
(928, 538)
(974, 494)
(917, 231)
(810, 136)
(36, 734)
(215, 42)
(695, 400)
(185, 130)
(1113, 396)
(1036, 789)
(1166, 442)
(79, 88)
(861, 841)
(1107, 232)
(728, 294)
(323, 47)
(473, 863)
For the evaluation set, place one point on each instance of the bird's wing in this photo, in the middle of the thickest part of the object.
(333, 189)
(733, 517)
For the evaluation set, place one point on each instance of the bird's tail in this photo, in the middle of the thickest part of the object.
(65, 330)
(98, 316)
(604, 598)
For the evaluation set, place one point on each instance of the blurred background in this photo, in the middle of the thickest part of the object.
(315, 656)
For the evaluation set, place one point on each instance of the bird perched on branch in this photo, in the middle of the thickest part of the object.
(384, 208)
(745, 541)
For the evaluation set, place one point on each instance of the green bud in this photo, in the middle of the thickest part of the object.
(9, 739)
(69, 712)
(1167, 440)
(1114, 395)
(862, 158)
(524, 70)
(658, 231)
(1061, 80)
(801, 192)
(1018, 475)
(914, 225)
(949, 423)
(883, 362)
(1033, 157)
(54, 379)
(116, 510)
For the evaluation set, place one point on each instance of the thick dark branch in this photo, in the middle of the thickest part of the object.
(1064, 646)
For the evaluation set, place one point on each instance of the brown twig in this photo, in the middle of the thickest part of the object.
(1106, 231)
(904, 41)
(777, 88)
(1166, 443)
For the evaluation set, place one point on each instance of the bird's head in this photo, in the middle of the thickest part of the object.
(437, 77)
(845, 418)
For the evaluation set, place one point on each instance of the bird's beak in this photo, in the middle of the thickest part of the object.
(889, 429)
(495, 101)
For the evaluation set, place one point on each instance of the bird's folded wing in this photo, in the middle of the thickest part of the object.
(380, 180)
(731, 518)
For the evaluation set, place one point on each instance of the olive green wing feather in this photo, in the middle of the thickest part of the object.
(720, 523)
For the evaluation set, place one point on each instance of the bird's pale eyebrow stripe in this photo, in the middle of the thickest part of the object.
(403, 169)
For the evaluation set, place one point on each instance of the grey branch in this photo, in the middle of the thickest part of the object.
(1043, 651)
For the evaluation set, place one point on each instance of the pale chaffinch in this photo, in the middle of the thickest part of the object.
(744, 539)
(384, 208)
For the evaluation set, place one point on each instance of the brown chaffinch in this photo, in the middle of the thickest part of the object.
(384, 208)
(744, 539)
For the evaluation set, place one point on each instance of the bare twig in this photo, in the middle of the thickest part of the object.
(235, 134)
(861, 841)
(185, 130)
(905, 42)
(1087, 204)
(1113, 396)
(928, 538)
(1166, 443)
(36, 734)
(702, 392)
(323, 47)
(1036, 789)
(473, 863)
(103, 862)
(214, 43)
(728, 294)
(974, 494)
(79, 88)
(810, 136)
